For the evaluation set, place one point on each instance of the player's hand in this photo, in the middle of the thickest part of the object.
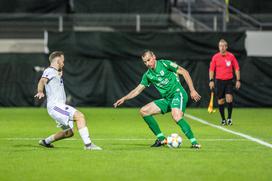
(119, 102)
(195, 96)
(39, 95)
(211, 85)
(237, 84)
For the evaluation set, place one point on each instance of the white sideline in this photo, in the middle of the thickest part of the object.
(122, 139)
(230, 131)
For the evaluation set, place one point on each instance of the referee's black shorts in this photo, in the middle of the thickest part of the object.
(224, 87)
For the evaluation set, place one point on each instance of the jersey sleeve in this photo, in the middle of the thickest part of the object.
(235, 63)
(145, 81)
(212, 64)
(173, 67)
(48, 73)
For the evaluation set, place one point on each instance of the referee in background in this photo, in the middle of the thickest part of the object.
(221, 66)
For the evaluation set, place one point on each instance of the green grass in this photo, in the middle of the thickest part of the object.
(224, 156)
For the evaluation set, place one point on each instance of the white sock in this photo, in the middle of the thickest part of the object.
(84, 133)
(50, 139)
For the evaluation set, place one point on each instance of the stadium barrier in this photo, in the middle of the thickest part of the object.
(100, 67)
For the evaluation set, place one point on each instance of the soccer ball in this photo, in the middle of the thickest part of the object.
(174, 140)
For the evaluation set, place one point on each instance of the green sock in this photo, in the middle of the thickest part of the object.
(153, 125)
(186, 129)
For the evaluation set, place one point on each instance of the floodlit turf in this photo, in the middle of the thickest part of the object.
(127, 155)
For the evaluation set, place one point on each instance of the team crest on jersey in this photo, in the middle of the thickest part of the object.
(228, 63)
(61, 81)
(162, 73)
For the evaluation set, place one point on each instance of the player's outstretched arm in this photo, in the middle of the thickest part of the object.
(130, 95)
(40, 88)
(194, 95)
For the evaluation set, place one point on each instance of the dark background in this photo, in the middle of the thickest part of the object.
(101, 67)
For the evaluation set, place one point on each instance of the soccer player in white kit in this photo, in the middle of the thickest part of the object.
(62, 113)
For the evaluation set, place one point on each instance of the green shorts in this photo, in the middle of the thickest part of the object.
(179, 100)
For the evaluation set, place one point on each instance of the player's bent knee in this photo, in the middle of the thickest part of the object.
(177, 116)
(79, 116)
(69, 133)
(144, 111)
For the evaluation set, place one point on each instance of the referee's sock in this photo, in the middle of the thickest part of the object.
(222, 111)
(230, 105)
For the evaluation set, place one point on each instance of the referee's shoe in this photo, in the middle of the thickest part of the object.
(223, 122)
(229, 122)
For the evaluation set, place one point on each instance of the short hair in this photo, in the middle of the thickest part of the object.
(223, 41)
(145, 52)
(55, 54)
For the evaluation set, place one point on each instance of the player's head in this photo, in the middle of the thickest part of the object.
(57, 58)
(223, 46)
(149, 59)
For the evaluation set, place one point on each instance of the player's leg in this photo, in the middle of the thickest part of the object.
(221, 100)
(47, 142)
(178, 106)
(79, 118)
(60, 113)
(229, 100)
(64, 116)
(63, 134)
(147, 113)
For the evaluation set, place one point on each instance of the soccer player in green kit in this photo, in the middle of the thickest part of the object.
(164, 75)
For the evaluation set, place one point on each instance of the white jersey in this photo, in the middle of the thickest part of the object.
(54, 88)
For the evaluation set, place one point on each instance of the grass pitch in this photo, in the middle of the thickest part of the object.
(127, 155)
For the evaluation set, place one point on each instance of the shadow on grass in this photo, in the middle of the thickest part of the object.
(38, 147)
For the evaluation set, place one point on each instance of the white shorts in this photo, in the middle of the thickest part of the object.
(63, 115)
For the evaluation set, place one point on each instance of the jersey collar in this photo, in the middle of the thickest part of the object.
(53, 68)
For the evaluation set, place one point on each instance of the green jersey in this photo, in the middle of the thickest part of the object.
(164, 78)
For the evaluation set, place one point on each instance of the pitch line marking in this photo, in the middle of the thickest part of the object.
(122, 139)
(230, 131)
